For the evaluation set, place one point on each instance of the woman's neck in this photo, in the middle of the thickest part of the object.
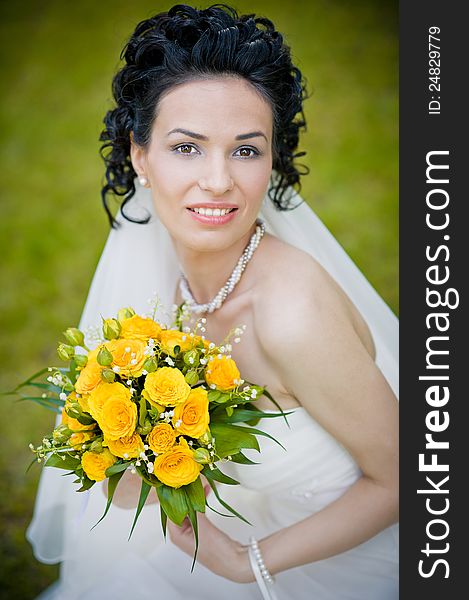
(207, 272)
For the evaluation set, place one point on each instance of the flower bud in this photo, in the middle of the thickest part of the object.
(150, 365)
(81, 360)
(125, 313)
(111, 329)
(104, 357)
(97, 446)
(191, 358)
(108, 375)
(202, 456)
(146, 428)
(74, 336)
(61, 433)
(206, 438)
(65, 351)
(191, 377)
(67, 384)
(73, 409)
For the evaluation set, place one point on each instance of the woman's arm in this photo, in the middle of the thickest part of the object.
(324, 364)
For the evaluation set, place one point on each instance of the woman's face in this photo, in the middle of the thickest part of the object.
(210, 152)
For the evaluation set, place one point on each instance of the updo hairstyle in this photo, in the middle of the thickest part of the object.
(186, 44)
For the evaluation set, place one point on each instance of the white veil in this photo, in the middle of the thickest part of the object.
(139, 260)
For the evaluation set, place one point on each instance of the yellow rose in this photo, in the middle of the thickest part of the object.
(192, 417)
(138, 328)
(95, 464)
(166, 386)
(126, 447)
(222, 372)
(128, 355)
(169, 338)
(101, 395)
(90, 375)
(177, 466)
(161, 438)
(118, 418)
(76, 440)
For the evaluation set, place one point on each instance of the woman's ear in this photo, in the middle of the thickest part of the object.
(137, 156)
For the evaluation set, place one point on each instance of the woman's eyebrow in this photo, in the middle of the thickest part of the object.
(199, 136)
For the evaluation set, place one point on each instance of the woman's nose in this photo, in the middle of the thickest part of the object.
(216, 177)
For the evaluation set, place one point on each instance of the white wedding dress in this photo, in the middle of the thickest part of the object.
(286, 487)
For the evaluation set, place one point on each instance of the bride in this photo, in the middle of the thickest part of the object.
(201, 144)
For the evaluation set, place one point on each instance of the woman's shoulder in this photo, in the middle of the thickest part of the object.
(295, 292)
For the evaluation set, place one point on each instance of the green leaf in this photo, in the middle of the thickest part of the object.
(116, 468)
(143, 411)
(225, 504)
(193, 520)
(230, 439)
(241, 459)
(196, 495)
(55, 401)
(144, 491)
(164, 520)
(34, 461)
(56, 408)
(217, 475)
(111, 488)
(86, 484)
(24, 383)
(263, 433)
(272, 399)
(68, 463)
(244, 415)
(173, 502)
(85, 420)
(213, 395)
(217, 397)
(218, 512)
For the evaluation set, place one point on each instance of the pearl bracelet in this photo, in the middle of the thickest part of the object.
(264, 579)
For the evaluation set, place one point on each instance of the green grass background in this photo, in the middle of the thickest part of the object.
(57, 60)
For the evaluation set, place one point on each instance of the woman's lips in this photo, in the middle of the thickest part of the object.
(212, 219)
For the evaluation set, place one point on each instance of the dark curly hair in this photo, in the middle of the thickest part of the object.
(184, 44)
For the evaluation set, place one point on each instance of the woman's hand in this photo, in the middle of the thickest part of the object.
(217, 551)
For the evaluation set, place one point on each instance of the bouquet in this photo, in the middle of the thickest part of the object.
(167, 404)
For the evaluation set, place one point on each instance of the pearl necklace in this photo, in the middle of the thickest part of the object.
(235, 276)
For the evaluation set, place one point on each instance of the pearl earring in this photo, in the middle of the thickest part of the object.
(143, 181)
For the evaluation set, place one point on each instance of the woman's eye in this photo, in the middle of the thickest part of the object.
(185, 149)
(248, 152)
